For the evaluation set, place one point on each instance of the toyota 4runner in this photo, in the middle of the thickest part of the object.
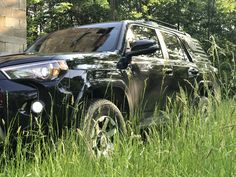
(113, 68)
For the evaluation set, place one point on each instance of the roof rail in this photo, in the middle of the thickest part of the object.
(162, 25)
(165, 26)
(168, 25)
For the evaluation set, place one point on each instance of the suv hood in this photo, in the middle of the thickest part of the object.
(22, 58)
(16, 59)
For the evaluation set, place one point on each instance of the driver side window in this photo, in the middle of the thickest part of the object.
(136, 32)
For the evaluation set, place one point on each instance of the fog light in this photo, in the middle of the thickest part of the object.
(37, 107)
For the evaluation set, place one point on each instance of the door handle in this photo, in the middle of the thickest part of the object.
(168, 71)
(192, 72)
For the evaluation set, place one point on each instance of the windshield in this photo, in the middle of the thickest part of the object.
(82, 40)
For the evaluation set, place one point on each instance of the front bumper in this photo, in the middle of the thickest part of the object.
(16, 99)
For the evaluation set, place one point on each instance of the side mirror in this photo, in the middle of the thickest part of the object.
(139, 47)
(142, 47)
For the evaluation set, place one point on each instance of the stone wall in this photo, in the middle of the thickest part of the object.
(12, 26)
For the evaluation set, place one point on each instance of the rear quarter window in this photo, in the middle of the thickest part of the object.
(174, 47)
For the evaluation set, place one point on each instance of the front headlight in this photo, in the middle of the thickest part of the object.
(49, 70)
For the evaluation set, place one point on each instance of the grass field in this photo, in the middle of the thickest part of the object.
(198, 145)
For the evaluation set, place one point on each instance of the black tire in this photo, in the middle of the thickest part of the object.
(102, 122)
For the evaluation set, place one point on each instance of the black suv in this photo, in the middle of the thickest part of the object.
(114, 68)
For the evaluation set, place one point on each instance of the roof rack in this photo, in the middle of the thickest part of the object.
(168, 25)
(151, 21)
(164, 26)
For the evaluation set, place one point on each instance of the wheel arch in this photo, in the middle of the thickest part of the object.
(114, 91)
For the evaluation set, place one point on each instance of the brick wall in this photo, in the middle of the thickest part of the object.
(12, 26)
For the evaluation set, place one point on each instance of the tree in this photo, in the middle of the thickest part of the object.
(44, 17)
(199, 18)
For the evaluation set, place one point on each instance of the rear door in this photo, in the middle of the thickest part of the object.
(185, 72)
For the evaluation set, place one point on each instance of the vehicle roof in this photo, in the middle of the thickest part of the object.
(142, 22)
(105, 24)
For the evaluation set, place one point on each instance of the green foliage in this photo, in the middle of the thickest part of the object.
(227, 6)
(62, 7)
(46, 16)
(199, 18)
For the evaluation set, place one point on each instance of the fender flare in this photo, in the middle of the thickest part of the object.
(88, 88)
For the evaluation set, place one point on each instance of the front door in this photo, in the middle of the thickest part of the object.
(148, 76)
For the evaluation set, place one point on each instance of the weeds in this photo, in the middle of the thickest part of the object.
(186, 145)
(224, 60)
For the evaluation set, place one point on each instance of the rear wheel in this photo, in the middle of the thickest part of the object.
(103, 121)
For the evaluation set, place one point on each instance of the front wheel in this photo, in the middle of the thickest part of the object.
(103, 121)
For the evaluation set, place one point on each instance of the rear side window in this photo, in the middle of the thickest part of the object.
(136, 32)
(174, 47)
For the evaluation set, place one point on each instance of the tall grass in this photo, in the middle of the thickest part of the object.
(194, 146)
(224, 60)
